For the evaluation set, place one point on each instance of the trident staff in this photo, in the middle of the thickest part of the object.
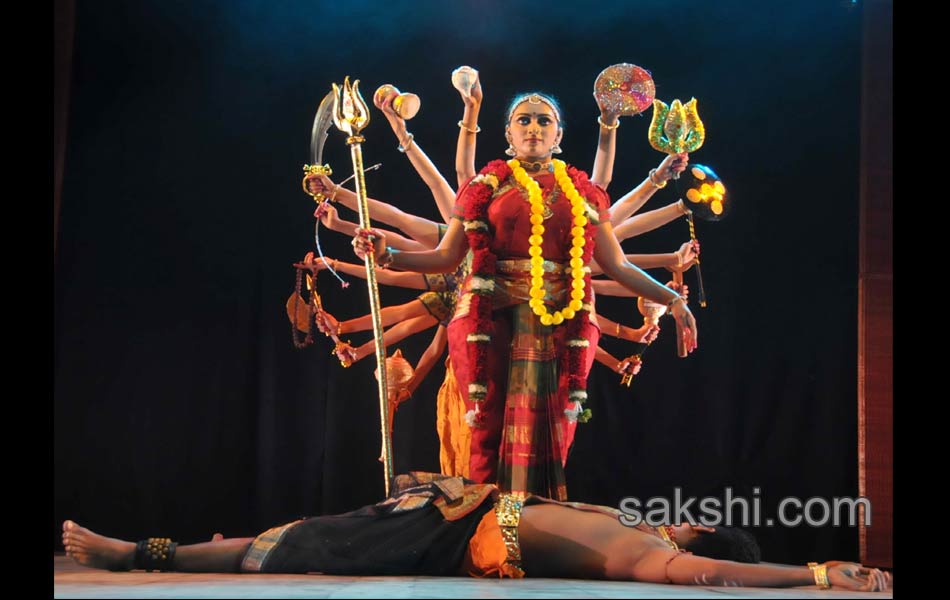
(350, 114)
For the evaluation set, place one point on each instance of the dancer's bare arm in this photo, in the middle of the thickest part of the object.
(649, 220)
(631, 202)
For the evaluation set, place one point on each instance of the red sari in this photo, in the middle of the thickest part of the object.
(523, 436)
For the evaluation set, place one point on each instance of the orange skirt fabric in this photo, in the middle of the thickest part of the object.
(455, 436)
(487, 555)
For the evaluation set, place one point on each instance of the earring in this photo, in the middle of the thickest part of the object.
(556, 148)
(511, 150)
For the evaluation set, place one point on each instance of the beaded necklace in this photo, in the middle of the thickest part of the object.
(579, 212)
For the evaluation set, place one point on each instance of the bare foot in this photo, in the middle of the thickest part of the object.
(93, 550)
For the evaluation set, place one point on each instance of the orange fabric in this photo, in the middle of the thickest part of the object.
(455, 436)
(487, 555)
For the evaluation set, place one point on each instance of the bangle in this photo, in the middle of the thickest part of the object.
(462, 125)
(821, 575)
(658, 186)
(387, 258)
(404, 146)
(336, 189)
(618, 330)
(606, 126)
(669, 305)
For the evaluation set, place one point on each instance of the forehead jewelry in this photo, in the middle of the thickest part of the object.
(535, 99)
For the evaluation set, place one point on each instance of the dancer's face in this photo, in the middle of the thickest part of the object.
(533, 130)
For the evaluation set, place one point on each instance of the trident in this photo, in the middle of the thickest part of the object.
(350, 115)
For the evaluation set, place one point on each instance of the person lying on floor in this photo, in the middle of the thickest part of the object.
(438, 525)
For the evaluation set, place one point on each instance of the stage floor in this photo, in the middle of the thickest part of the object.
(73, 581)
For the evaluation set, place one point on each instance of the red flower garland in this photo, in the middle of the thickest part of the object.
(578, 345)
(477, 229)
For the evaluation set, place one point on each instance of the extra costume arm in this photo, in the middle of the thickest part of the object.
(648, 221)
(428, 359)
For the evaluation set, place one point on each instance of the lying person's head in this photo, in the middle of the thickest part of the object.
(724, 543)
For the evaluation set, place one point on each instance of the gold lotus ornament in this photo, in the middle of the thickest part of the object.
(350, 112)
(676, 127)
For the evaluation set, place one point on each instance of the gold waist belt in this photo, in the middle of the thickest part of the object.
(523, 265)
(508, 512)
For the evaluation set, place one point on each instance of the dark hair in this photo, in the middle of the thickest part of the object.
(519, 98)
(726, 543)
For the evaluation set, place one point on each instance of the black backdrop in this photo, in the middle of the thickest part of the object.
(181, 405)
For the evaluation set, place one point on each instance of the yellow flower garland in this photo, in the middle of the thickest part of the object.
(579, 210)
